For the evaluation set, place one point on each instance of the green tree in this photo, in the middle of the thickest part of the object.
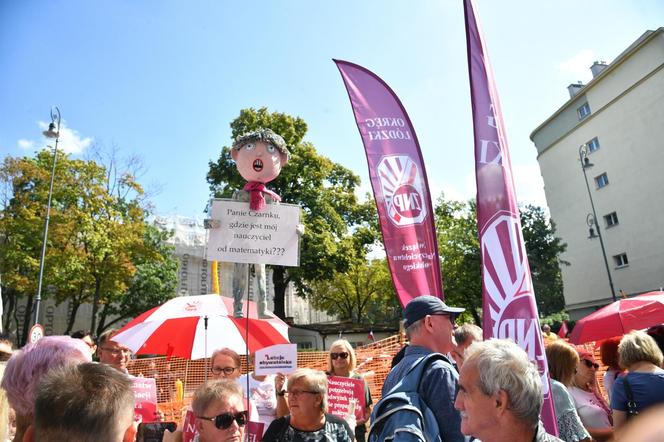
(363, 294)
(456, 225)
(324, 190)
(544, 249)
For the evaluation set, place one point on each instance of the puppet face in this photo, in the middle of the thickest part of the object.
(259, 161)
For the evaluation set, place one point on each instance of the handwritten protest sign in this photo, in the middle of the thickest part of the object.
(145, 393)
(281, 358)
(254, 237)
(341, 392)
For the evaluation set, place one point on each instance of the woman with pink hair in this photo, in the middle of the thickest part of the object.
(26, 368)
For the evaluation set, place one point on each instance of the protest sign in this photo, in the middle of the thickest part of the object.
(281, 358)
(342, 393)
(241, 235)
(145, 393)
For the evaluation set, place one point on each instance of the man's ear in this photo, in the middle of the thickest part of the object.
(234, 153)
(29, 435)
(501, 401)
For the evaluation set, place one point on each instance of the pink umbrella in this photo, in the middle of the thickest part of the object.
(620, 317)
(193, 326)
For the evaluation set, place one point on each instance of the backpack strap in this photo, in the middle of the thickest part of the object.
(412, 379)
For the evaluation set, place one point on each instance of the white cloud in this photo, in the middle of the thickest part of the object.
(70, 140)
(26, 144)
(578, 65)
(529, 184)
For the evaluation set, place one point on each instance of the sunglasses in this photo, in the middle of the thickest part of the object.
(342, 355)
(590, 364)
(225, 420)
(226, 370)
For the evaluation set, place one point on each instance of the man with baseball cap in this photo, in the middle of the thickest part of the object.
(429, 325)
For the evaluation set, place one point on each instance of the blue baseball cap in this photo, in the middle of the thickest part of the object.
(421, 306)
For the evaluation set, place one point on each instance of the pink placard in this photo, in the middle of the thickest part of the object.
(145, 394)
(340, 393)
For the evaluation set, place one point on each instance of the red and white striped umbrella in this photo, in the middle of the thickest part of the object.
(177, 328)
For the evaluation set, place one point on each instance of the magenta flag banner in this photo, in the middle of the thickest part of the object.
(399, 183)
(508, 299)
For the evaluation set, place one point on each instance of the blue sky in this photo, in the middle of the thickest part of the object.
(163, 79)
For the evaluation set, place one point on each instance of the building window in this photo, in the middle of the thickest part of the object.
(611, 219)
(621, 260)
(593, 145)
(601, 180)
(583, 111)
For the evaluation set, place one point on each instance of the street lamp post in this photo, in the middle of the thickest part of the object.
(591, 219)
(52, 132)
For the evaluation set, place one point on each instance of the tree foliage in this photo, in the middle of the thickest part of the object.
(456, 224)
(338, 228)
(96, 234)
(363, 294)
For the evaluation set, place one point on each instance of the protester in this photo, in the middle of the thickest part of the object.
(27, 367)
(608, 351)
(262, 393)
(113, 353)
(641, 356)
(225, 364)
(4, 410)
(342, 362)
(593, 410)
(500, 394)
(79, 403)
(548, 335)
(86, 336)
(563, 360)
(220, 411)
(464, 335)
(429, 326)
(308, 419)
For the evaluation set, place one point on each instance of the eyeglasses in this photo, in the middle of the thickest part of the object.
(117, 351)
(297, 393)
(226, 370)
(225, 420)
(590, 364)
(342, 355)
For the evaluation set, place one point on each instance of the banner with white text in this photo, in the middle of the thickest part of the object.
(508, 299)
(399, 183)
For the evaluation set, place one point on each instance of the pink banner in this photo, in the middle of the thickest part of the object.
(399, 183)
(507, 290)
(342, 393)
(145, 394)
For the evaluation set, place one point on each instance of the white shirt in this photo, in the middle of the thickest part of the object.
(263, 395)
(591, 412)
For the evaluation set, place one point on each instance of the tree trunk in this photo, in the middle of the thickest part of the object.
(279, 280)
(95, 305)
(27, 320)
(102, 320)
(75, 304)
(8, 311)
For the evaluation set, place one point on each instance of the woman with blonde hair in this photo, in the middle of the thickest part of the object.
(342, 362)
(308, 419)
(563, 359)
(643, 385)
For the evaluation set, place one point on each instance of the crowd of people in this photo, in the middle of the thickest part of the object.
(475, 389)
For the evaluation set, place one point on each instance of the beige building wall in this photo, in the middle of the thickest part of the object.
(626, 102)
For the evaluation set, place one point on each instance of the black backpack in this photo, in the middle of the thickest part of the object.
(402, 415)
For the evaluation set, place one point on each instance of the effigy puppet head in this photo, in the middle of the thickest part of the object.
(260, 155)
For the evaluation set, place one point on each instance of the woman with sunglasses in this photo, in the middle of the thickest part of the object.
(220, 412)
(342, 363)
(562, 360)
(591, 406)
(308, 420)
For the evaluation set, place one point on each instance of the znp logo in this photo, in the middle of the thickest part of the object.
(402, 187)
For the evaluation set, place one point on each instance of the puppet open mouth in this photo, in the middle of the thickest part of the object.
(258, 165)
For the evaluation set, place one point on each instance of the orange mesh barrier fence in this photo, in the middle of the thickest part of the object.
(171, 375)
